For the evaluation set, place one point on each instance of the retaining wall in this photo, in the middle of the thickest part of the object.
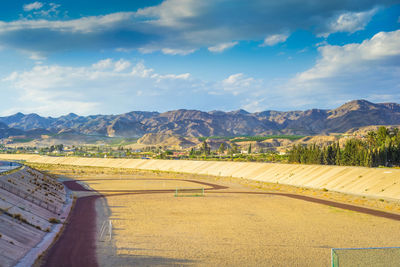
(375, 182)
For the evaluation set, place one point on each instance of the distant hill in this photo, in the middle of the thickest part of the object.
(5, 131)
(195, 123)
(167, 140)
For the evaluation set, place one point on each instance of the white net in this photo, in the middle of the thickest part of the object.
(374, 257)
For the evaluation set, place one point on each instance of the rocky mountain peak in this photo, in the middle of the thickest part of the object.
(185, 122)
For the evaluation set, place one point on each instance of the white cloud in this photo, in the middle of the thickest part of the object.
(108, 63)
(33, 6)
(52, 11)
(82, 25)
(171, 13)
(121, 65)
(180, 27)
(349, 22)
(274, 39)
(351, 58)
(322, 43)
(236, 79)
(183, 76)
(182, 52)
(44, 90)
(239, 83)
(254, 105)
(105, 88)
(57, 90)
(36, 56)
(12, 77)
(368, 70)
(352, 71)
(103, 64)
(221, 47)
(141, 71)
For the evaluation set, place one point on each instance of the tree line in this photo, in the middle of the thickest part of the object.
(377, 148)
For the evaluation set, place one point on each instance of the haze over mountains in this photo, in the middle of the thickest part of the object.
(196, 123)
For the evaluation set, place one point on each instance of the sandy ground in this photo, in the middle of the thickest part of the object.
(223, 228)
(237, 222)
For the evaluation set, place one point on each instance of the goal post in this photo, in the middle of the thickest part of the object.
(189, 192)
(106, 230)
(374, 256)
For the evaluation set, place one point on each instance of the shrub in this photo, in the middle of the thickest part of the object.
(54, 220)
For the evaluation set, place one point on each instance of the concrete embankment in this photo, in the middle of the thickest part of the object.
(30, 204)
(373, 182)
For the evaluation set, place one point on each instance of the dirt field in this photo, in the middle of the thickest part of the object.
(235, 226)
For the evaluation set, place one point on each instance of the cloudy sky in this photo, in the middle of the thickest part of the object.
(109, 57)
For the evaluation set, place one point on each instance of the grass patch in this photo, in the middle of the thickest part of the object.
(22, 140)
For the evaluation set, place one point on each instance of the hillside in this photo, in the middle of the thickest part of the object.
(167, 140)
(194, 123)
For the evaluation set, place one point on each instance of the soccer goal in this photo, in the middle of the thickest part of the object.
(189, 192)
(374, 257)
(106, 231)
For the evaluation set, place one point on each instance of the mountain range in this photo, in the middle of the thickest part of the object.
(357, 113)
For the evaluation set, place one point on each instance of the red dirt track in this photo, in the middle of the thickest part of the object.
(74, 186)
(76, 246)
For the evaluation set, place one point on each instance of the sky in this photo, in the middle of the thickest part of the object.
(112, 57)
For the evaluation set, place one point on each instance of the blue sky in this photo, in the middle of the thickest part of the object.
(91, 57)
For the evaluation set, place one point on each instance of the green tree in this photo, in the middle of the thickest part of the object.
(234, 149)
(222, 148)
(205, 148)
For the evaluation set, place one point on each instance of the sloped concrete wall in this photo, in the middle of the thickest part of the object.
(28, 199)
(376, 182)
